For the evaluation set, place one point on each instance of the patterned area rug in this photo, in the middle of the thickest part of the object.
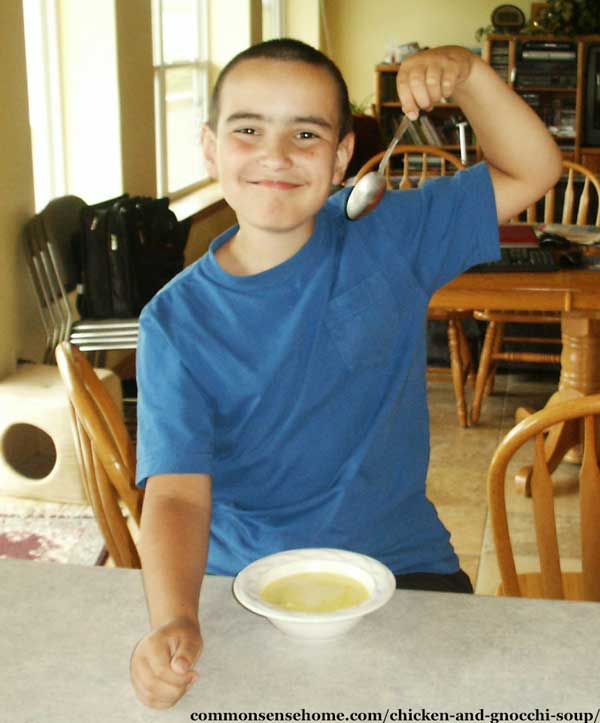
(49, 532)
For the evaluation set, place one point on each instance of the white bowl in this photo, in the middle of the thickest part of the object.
(377, 578)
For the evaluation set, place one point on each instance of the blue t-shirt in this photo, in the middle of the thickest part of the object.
(301, 390)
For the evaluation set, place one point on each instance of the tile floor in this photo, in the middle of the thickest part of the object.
(457, 479)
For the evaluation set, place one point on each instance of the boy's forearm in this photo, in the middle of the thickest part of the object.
(523, 159)
(511, 135)
(173, 549)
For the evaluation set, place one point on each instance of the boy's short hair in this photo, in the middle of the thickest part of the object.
(287, 49)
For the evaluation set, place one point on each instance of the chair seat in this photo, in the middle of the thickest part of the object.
(531, 586)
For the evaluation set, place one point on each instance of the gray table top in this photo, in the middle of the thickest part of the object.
(68, 632)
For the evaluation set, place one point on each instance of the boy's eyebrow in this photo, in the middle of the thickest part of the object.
(312, 119)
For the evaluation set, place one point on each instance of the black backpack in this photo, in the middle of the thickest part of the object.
(129, 247)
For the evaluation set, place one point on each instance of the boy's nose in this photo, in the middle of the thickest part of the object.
(276, 154)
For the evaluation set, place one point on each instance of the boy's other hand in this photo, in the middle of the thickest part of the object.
(426, 77)
(162, 662)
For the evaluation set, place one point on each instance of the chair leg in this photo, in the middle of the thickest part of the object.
(466, 359)
(496, 348)
(483, 371)
(457, 371)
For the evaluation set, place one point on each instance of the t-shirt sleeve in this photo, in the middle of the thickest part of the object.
(443, 229)
(175, 428)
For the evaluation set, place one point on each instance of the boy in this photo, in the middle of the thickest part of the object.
(282, 377)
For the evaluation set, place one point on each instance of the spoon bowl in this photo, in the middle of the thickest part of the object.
(369, 190)
(365, 195)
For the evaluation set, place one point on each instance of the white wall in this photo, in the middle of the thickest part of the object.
(92, 133)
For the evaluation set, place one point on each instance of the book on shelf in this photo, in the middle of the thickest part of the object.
(430, 132)
(414, 135)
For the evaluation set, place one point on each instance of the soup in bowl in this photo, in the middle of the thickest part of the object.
(315, 593)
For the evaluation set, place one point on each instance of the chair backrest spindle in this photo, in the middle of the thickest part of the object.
(444, 162)
(569, 199)
(545, 523)
(584, 204)
(589, 492)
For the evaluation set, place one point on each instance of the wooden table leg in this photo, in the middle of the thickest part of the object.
(579, 376)
(580, 358)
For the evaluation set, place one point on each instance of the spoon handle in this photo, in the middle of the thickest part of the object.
(400, 131)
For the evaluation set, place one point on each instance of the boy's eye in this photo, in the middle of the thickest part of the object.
(246, 131)
(306, 135)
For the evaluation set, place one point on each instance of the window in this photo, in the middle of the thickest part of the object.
(273, 19)
(44, 90)
(181, 92)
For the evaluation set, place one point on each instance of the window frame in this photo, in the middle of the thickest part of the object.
(277, 29)
(49, 174)
(200, 64)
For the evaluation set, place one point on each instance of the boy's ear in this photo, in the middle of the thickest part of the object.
(208, 141)
(343, 156)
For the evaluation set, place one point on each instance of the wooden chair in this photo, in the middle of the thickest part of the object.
(550, 582)
(461, 364)
(105, 453)
(50, 255)
(495, 339)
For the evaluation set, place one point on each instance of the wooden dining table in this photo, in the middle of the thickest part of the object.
(575, 294)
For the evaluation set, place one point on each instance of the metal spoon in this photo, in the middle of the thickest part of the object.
(367, 193)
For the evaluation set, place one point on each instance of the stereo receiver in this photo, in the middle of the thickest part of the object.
(544, 64)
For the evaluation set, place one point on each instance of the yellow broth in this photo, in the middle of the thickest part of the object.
(315, 592)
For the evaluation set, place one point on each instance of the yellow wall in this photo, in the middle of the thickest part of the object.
(205, 230)
(18, 314)
(230, 31)
(360, 29)
(302, 21)
(136, 91)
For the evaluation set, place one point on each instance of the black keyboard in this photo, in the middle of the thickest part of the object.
(519, 260)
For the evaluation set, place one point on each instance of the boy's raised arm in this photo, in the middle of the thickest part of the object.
(523, 158)
(173, 548)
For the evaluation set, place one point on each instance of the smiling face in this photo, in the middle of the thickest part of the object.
(276, 150)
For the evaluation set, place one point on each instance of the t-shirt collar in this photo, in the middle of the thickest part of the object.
(303, 259)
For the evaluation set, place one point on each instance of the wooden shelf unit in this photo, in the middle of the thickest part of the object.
(501, 51)
(388, 109)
